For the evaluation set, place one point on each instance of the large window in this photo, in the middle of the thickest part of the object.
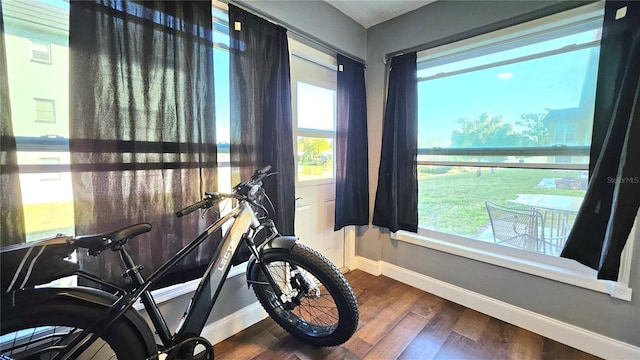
(35, 33)
(505, 122)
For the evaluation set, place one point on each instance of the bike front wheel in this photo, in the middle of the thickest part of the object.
(317, 305)
(39, 332)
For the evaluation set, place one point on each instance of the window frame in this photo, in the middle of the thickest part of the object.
(550, 267)
(53, 110)
(34, 46)
(316, 58)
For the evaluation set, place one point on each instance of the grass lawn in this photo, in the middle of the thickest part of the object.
(44, 220)
(314, 172)
(454, 202)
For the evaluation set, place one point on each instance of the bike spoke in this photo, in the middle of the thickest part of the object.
(317, 314)
(44, 342)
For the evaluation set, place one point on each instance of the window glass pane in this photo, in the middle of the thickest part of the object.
(221, 79)
(514, 50)
(452, 200)
(315, 158)
(48, 205)
(525, 103)
(47, 195)
(40, 51)
(45, 111)
(316, 107)
(39, 91)
(531, 103)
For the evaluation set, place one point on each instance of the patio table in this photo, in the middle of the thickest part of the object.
(556, 210)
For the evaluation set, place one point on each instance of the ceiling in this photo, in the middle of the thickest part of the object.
(371, 12)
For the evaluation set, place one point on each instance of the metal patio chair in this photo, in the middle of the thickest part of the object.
(519, 228)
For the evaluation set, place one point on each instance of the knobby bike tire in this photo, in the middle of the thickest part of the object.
(38, 328)
(326, 315)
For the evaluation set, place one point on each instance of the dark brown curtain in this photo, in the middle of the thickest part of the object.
(611, 203)
(12, 229)
(396, 206)
(142, 136)
(352, 160)
(260, 94)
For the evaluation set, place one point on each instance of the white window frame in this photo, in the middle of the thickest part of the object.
(315, 57)
(37, 46)
(554, 268)
(53, 110)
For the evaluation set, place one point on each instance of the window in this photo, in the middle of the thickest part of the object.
(50, 161)
(39, 109)
(45, 111)
(505, 118)
(40, 51)
(39, 112)
(222, 100)
(313, 93)
(316, 132)
(489, 108)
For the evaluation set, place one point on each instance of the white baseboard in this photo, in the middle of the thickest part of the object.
(568, 334)
(234, 323)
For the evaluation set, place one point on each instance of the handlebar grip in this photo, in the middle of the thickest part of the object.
(193, 207)
(264, 170)
(259, 175)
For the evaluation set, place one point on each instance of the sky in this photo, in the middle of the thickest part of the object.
(531, 86)
(221, 80)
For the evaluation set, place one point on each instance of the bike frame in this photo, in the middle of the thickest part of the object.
(245, 226)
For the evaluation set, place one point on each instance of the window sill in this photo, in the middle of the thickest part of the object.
(553, 268)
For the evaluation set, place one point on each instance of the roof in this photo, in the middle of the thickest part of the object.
(563, 116)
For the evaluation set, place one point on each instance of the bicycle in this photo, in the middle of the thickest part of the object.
(299, 288)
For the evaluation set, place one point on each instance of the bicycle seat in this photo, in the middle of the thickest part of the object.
(36, 263)
(97, 243)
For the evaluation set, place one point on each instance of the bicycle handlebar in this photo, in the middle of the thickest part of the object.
(202, 204)
(258, 176)
(264, 171)
(243, 191)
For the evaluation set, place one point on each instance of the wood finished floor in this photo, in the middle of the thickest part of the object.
(398, 321)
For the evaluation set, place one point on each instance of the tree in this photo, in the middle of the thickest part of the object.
(490, 131)
(485, 131)
(312, 150)
(536, 132)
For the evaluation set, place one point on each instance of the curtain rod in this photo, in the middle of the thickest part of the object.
(296, 33)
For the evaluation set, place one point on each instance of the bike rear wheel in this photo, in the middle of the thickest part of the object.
(318, 304)
(35, 332)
